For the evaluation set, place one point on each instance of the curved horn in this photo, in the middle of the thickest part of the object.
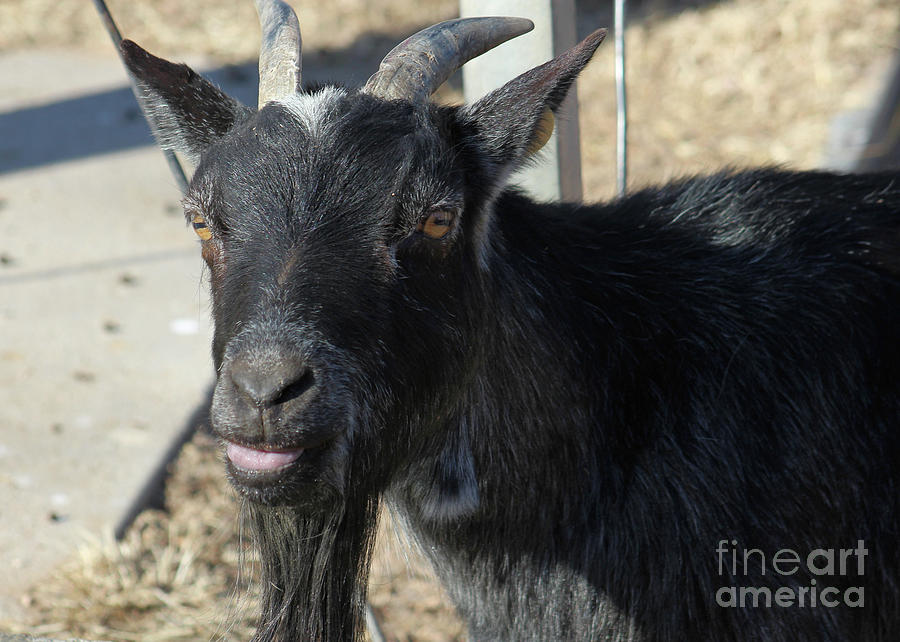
(279, 53)
(416, 67)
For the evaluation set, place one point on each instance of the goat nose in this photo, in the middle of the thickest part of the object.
(275, 382)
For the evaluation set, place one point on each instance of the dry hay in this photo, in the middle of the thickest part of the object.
(189, 574)
(175, 576)
(737, 83)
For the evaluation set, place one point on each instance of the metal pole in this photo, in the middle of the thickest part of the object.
(882, 148)
(116, 37)
(621, 102)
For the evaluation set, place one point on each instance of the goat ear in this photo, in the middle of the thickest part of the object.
(187, 112)
(513, 122)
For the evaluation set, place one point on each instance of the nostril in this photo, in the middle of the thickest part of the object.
(295, 388)
(273, 383)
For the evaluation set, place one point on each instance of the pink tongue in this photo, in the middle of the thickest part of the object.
(252, 459)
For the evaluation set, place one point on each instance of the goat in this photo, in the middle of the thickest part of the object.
(621, 421)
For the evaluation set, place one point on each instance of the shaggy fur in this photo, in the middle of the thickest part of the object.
(570, 406)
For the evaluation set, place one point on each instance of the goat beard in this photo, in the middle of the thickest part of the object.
(315, 567)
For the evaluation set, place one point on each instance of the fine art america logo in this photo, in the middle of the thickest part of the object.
(821, 566)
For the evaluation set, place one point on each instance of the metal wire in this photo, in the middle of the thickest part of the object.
(375, 633)
(621, 101)
(116, 37)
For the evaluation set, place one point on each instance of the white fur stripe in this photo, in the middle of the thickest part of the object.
(312, 109)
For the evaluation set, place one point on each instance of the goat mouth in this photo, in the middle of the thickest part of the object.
(307, 476)
(256, 460)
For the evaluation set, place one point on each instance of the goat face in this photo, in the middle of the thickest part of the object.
(348, 235)
(337, 258)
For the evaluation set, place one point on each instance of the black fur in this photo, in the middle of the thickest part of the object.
(569, 406)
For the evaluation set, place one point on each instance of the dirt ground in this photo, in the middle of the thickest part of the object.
(734, 83)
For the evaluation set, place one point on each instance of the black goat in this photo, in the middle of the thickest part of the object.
(672, 417)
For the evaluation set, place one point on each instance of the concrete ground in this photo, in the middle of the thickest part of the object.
(104, 333)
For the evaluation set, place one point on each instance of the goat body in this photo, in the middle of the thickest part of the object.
(714, 361)
(606, 422)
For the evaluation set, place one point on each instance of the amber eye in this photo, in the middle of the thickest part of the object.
(200, 227)
(436, 223)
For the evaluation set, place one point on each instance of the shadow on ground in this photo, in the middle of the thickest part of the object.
(110, 121)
